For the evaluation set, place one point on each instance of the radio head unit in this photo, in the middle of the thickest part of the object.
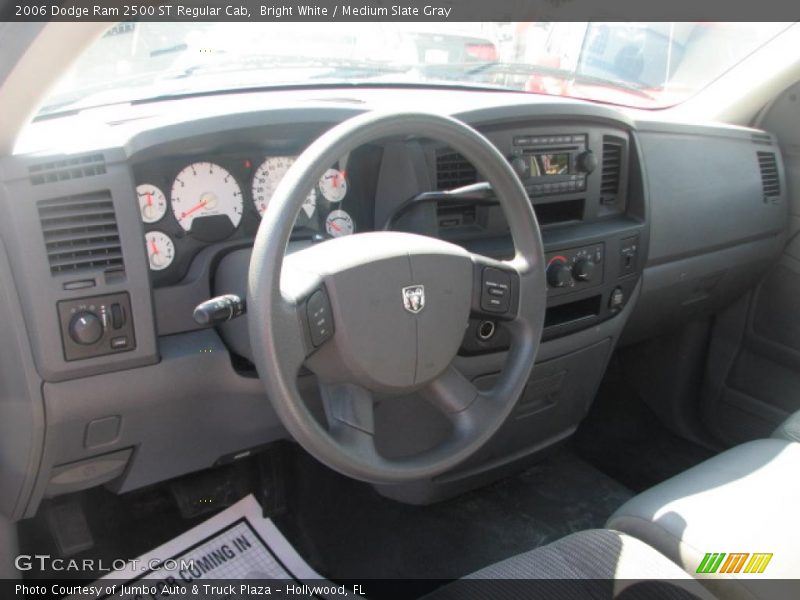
(552, 164)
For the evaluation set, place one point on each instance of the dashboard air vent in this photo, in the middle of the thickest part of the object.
(70, 168)
(762, 138)
(453, 171)
(80, 233)
(611, 170)
(768, 165)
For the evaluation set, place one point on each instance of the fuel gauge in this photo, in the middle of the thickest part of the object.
(339, 223)
(160, 250)
(152, 202)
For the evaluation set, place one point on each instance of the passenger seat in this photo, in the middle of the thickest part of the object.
(733, 522)
(789, 429)
(744, 502)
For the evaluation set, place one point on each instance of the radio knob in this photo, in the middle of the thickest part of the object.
(586, 161)
(559, 275)
(85, 328)
(583, 269)
(520, 167)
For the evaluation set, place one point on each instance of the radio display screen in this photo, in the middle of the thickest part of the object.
(549, 164)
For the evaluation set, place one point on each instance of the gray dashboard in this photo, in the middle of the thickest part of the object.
(676, 220)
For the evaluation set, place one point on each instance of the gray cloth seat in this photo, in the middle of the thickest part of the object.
(597, 563)
(789, 429)
(744, 500)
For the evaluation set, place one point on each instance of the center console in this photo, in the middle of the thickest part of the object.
(585, 187)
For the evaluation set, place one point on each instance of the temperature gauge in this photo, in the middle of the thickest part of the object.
(333, 185)
(160, 250)
(339, 223)
(152, 202)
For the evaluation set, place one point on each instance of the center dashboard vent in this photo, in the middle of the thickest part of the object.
(611, 171)
(770, 182)
(453, 171)
(80, 233)
(71, 168)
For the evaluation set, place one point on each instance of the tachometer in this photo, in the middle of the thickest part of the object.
(160, 250)
(204, 190)
(333, 185)
(339, 223)
(152, 202)
(266, 180)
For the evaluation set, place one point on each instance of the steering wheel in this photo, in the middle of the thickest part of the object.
(385, 312)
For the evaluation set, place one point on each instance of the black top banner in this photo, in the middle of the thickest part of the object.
(396, 10)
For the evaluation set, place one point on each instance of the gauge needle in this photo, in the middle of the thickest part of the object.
(153, 246)
(335, 226)
(195, 208)
(149, 199)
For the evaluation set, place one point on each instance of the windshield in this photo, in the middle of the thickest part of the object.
(645, 65)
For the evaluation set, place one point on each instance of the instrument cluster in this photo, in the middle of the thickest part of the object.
(188, 203)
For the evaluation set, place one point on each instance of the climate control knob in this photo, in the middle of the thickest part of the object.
(85, 328)
(583, 269)
(559, 275)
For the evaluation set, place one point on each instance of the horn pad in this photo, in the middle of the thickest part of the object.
(400, 305)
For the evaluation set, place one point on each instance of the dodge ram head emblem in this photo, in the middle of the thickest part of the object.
(414, 298)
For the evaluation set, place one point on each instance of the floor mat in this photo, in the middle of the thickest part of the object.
(347, 531)
(623, 438)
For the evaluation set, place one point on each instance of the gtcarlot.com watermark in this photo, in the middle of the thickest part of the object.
(45, 562)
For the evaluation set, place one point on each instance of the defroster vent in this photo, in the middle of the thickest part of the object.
(69, 168)
(80, 233)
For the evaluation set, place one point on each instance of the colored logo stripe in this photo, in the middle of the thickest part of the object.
(713, 562)
(758, 563)
(734, 563)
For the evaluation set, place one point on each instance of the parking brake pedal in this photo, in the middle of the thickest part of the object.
(68, 526)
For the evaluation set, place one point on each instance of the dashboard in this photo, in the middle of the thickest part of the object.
(111, 244)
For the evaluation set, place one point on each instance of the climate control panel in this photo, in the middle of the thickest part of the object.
(96, 326)
(576, 268)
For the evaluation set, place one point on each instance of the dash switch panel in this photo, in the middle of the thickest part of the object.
(96, 326)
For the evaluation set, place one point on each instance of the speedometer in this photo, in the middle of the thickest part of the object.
(266, 180)
(204, 190)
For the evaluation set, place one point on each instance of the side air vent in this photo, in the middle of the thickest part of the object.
(610, 175)
(453, 170)
(71, 168)
(80, 233)
(770, 183)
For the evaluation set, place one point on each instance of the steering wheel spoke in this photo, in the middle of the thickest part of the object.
(464, 405)
(350, 411)
(451, 392)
